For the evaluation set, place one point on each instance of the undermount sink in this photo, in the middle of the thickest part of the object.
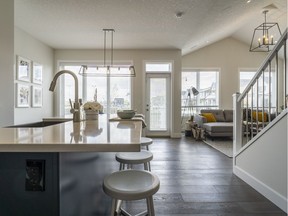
(44, 123)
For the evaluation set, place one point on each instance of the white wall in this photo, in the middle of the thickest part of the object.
(263, 164)
(6, 62)
(30, 48)
(229, 55)
(138, 57)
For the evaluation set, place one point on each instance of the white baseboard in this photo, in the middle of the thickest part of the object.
(176, 135)
(265, 190)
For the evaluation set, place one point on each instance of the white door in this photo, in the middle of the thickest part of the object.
(158, 104)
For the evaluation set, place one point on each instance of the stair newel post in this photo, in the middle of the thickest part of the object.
(237, 124)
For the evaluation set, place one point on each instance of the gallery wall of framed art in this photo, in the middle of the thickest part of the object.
(28, 83)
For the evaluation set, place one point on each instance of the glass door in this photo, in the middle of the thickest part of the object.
(158, 104)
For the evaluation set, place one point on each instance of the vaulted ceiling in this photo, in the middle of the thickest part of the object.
(144, 24)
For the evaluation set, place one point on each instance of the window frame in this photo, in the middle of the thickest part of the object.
(198, 71)
(60, 97)
(254, 70)
(170, 63)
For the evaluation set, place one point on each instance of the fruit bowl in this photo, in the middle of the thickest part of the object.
(126, 114)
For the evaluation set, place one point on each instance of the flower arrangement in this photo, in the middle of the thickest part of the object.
(93, 106)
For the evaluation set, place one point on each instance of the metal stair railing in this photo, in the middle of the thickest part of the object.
(264, 97)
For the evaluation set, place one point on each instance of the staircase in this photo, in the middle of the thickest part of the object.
(260, 128)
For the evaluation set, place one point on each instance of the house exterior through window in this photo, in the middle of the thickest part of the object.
(206, 82)
(263, 88)
(113, 93)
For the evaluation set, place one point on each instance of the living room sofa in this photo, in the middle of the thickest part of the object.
(219, 126)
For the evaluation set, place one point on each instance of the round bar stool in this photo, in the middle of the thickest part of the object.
(131, 158)
(128, 185)
(145, 142)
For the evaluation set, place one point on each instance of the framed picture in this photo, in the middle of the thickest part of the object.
(22, 95)
(23, 69)
(36, 96)
(37, 73)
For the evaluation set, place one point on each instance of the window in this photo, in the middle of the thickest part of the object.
(206, 83)
(158, 67)
(113, 93)
(247, 76)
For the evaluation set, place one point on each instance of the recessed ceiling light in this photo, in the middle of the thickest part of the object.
(179, 14)
(248, 1)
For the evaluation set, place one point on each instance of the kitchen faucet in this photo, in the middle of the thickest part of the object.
(75, 109)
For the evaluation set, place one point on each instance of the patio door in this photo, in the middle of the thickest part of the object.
(158, 104)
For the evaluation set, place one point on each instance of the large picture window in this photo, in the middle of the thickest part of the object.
(245, 78)
(207, 85)
(113, 93)
(263, 90)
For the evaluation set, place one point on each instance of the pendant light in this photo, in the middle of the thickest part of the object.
(106, 69)
(264, 36)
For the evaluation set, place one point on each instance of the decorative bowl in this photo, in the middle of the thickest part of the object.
(126, 114)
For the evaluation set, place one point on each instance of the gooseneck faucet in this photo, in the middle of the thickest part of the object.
(75, 109)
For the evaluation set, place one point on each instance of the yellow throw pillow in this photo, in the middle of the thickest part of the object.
(254, 115)
(209, 116)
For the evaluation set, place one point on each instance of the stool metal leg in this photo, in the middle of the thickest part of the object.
(147, 166)
(145, 147)
(113, 207)
(122, 166)
(125, 213)
(118, 207)
(150, 206)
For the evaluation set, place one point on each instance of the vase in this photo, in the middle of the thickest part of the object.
(91, 114)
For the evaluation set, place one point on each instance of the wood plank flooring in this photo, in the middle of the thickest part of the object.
(197, 180)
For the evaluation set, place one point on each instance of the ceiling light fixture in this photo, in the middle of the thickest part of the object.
(264, 36)
(179, 14)
(106, 70)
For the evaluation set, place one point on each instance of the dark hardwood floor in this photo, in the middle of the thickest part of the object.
(198, 180)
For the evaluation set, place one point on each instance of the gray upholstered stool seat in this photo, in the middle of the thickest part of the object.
(131, 185)
(131, 158)
(145, 142)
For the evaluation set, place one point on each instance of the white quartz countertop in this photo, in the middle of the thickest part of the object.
(99, 135)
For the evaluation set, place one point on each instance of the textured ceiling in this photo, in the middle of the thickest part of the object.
(143, 24)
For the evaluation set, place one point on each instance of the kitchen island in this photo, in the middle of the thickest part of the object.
(58, 169)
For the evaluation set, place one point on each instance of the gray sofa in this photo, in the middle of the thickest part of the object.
(221, 128)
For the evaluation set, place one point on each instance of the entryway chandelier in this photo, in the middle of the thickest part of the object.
(108, 69)
(265, 36)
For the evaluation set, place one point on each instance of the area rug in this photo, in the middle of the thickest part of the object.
(224, 145)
